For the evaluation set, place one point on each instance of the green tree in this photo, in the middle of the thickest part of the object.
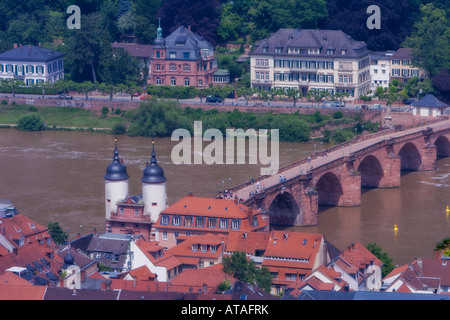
(263, 278)
(294, 94)
(231, 23)
(245, 270)
(245, 92)
(30, 122)
(43, 86)
(268, 16)
(86, 47)
(59, 236)
(444, 247)
(430, 40)
(390, 95)
(11, 84)
(85, 87)
(388, 264)
(317, 95)
(109, 89)
(119, 66)
(239, 267)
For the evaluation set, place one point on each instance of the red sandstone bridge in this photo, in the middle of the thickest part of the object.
(372, 160)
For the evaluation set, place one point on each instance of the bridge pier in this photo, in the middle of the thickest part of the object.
(429, 156)
(351, 188)
(391, 172)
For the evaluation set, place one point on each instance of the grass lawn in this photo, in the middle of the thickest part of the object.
(59, 116)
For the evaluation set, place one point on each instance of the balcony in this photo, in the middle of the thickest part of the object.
(260, 82)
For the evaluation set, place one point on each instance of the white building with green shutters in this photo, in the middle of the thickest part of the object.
(32, 64)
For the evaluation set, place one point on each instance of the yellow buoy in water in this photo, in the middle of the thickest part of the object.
(395, 227)
(448, 210)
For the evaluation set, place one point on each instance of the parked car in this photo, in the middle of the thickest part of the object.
(137, 94)
(146, 97)
(406, 101)
(212, 99)
(65, 96)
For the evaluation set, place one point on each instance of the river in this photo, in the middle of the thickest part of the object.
(58, 176)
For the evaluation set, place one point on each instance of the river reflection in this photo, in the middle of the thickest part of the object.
(58, 176)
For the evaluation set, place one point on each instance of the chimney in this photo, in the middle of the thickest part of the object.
(205, 288)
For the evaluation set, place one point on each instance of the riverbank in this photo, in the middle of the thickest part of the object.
(60, 118)
(166, 116)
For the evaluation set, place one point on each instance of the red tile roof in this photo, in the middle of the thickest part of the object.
(359, 256)
(184, 249)
(21, 292)
(247, 241)
(194, 279)
(135, 50)
(15, 227)
(294, 245)
(191, 206)
(32, 252)
(402, 54)
(208, 207)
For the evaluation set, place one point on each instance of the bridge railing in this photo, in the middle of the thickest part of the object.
(315, 155)
(359, 138)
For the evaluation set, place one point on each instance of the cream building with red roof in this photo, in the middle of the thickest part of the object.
(197, 215)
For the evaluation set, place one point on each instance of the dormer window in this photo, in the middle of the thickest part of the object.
(165, 219)
(278, 49)
(265, 49)
(176, 221)
(343, 52)
(194, 247)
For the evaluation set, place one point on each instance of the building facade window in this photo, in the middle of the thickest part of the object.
(165, 219)
(176, 220)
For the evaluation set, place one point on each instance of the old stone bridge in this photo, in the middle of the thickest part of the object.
(335, 179)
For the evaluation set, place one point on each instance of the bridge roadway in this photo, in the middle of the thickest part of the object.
(305, 169)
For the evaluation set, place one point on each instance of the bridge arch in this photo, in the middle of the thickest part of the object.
(283, 210)
(410, 158)
(371, 172)
(442, 146)
(329, 190)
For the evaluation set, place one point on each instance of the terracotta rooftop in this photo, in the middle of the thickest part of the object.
(294, 245)
(359, 256)
(208, 207)
(135, 49)
(247, 241)
(402, 54)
